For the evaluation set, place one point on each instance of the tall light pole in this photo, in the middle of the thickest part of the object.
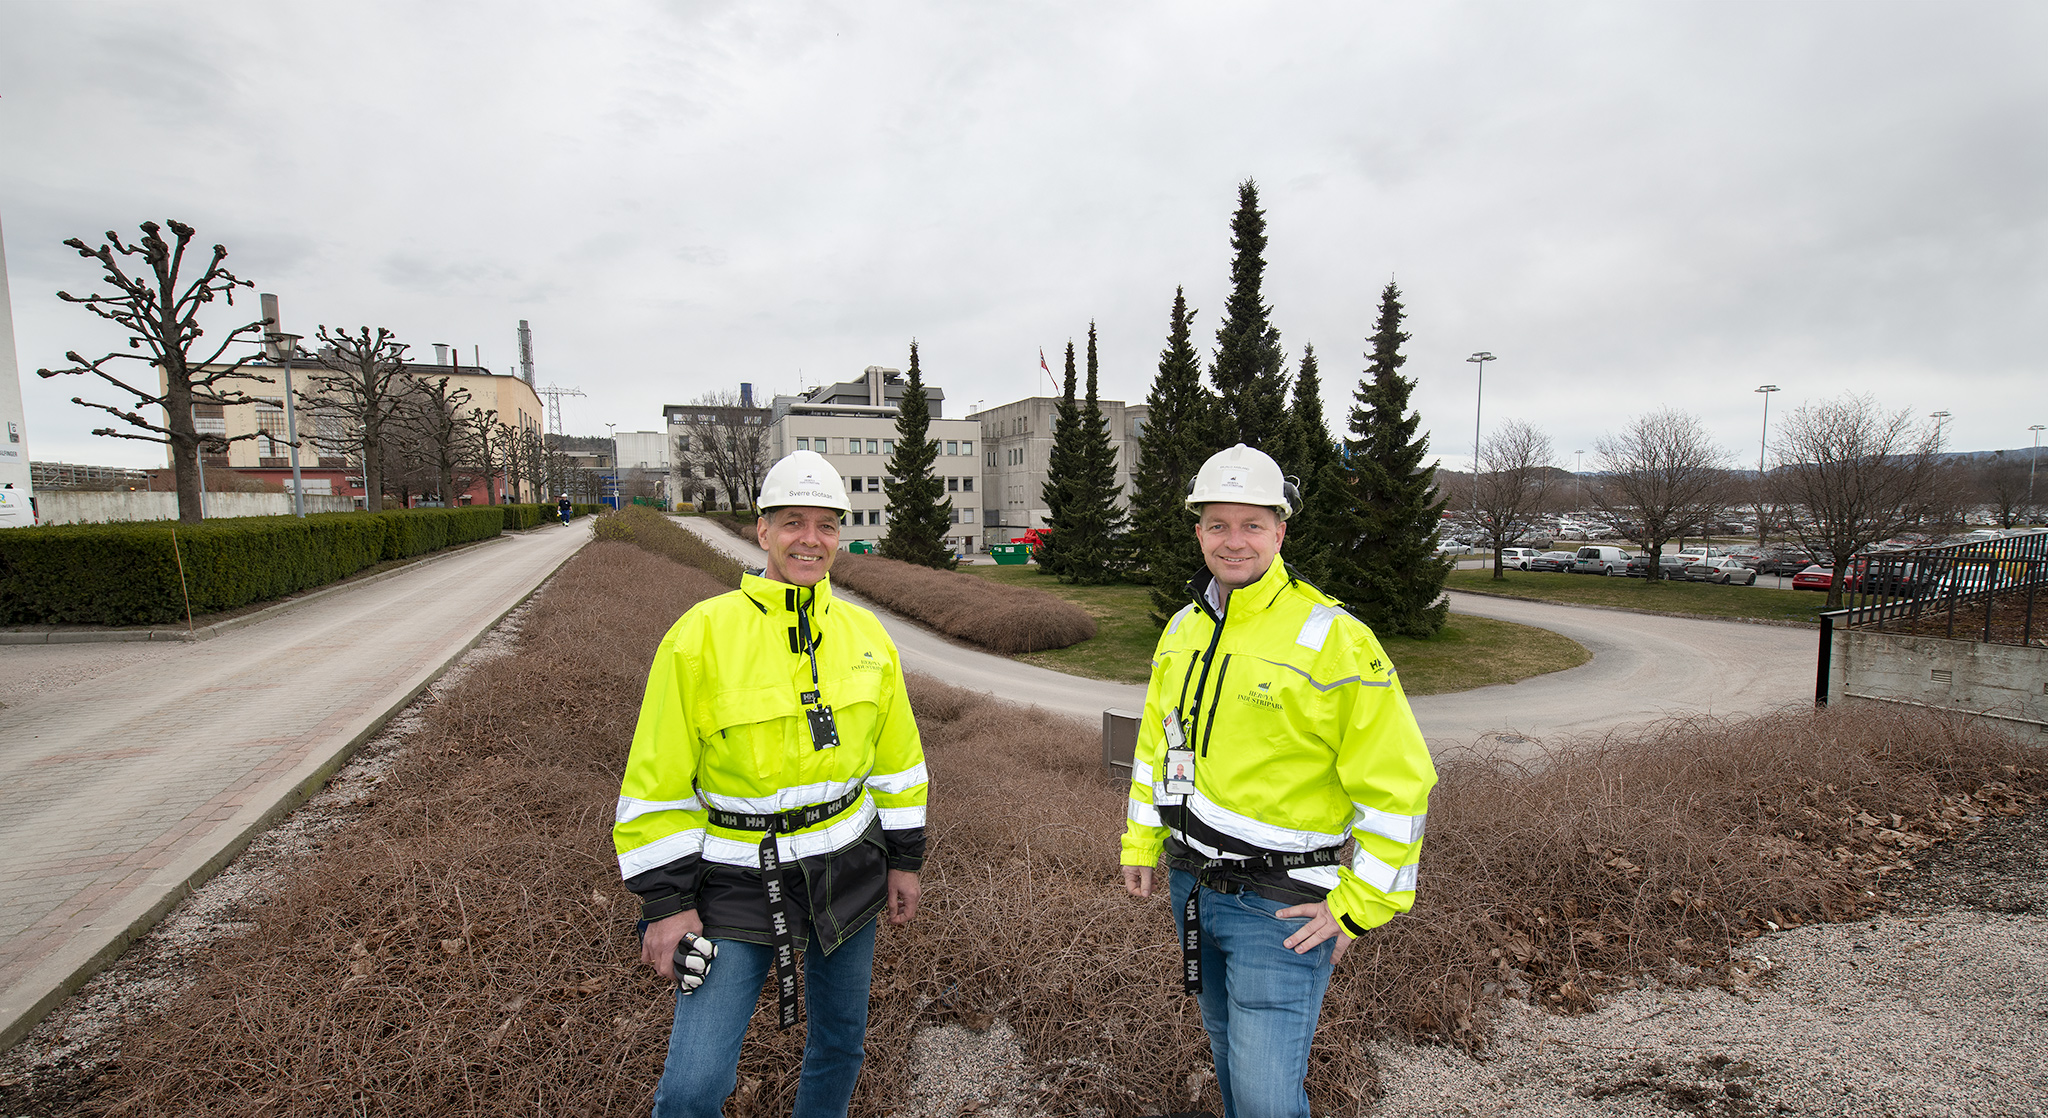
(1579, 484)
(1762, 441)
(2031, 463)
(282, 347)
(1938, 417)
(1478, 394)
(613, 430)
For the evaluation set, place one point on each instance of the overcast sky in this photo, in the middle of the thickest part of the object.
(1632, 205)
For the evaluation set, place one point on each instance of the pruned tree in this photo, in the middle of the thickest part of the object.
(1662, 476)
(1513, 477)
(433, 421)
(1171, 448)
(919, 513)
(1858, 474)
(1382, 498)
(1249, 369)
(485, 442)
(160, 312)
(728, 444)
(360, 386)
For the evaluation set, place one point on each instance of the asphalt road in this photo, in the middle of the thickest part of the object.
(1644, 668)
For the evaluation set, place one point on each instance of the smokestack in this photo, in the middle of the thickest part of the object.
(440, 353)
(525, 352)
(746, 394)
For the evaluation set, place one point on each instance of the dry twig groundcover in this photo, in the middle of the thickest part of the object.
(464, 946)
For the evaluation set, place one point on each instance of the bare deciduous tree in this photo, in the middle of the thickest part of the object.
(1662, 476)
(433, 420)
(1514, 473)
(162, 320)
(727, 444)
(485, 440)
(2001, 482)
(361, 387)
(1857, 475)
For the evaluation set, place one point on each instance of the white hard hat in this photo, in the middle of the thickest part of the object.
(1241, 475)
(803, 478)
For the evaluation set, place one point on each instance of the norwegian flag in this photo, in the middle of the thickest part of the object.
(1041, 361)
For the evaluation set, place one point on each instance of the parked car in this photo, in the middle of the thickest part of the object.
(1596, 559)
(1452, 547)
(1875, 576)
(1669, 567)
(1970, 578)
(1554, 561)
(1785, 561)
(1518, 557)
(1723, 569)
(1815, 577)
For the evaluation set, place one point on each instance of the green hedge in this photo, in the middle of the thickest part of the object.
(128, 574)
(521, 517)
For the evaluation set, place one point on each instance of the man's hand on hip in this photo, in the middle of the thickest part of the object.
(903, 891)
(1138, 880)
(1321, 926)
(658, 942)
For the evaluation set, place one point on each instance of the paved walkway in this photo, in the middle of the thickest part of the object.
(130, 773)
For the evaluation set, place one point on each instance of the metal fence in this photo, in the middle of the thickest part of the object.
(1992, 590)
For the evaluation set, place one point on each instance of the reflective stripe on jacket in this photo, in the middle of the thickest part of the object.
(1302, 738)
(723, 724)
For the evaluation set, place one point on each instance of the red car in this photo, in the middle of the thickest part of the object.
(1815, 577)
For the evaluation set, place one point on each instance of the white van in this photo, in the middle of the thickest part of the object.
(15, 511)
(1597, 560)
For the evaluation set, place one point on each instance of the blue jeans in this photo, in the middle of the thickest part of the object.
(704, 1045)
(1259, 999)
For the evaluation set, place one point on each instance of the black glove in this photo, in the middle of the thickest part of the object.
(693, 961)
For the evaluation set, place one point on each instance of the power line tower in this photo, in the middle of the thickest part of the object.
(553, 393)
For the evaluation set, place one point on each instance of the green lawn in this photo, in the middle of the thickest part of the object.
(1696, 598)
(1470, 652)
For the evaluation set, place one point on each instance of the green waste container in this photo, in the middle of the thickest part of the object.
(860, 547)
(1011, 554)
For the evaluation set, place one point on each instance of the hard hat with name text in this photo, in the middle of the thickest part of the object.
(803, 478)
(1243, 476)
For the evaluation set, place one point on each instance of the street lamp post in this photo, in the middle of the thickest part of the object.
(1938, 417)
(2031, 463)
(1761, 441)
(613, 430)
(1478, 394)
(283, 347)
(1579, 485)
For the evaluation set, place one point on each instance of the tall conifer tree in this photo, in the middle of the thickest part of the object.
(919, 514)
(1389, 573)
(1249, 370)
(1098, 524)
(1055, 551)
(1310, 451)
(1175, 443)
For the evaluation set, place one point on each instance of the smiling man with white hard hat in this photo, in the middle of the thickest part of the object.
(1274, 731)
(773, 802)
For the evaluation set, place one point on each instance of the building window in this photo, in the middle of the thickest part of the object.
(967, 448)
(888, 446)
(967, 485)
(875, 517)
(859, 517)
(952, 446)
(853, 446)
(801, 444)
(856, 489)
(874, 485)
(991, 458)
(872, 446)
(683, 444)
(952, 485)
(966, 516)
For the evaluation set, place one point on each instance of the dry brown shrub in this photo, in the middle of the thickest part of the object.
(465, 946)
(649, 529)
(991, 615)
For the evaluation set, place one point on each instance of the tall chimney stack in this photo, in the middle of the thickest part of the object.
(526, 352)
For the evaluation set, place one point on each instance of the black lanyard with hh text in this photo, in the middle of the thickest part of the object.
(824, 731)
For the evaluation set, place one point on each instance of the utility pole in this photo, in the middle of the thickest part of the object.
(2031, 463)
(553, 394)
(1761, 441)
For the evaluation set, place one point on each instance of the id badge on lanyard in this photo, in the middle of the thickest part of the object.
(1179, 771)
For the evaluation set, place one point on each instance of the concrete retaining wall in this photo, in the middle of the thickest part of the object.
(89, 507)
(2004, 682)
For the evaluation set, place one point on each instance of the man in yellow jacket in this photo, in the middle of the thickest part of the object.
(1282, 774)
(773, 801)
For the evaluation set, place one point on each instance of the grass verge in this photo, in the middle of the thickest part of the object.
(1696, 599)
(1469, 652)
(462, 946)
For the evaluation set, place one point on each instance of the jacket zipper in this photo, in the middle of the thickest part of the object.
(1208, 655)
(1209, 723)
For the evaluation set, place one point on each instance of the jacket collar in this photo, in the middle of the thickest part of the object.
(1256, 598)
(779, 599)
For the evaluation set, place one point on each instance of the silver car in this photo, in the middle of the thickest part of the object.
(1722, 569)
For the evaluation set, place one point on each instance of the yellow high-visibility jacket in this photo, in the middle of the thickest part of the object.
(723, 725)
(1302, 738)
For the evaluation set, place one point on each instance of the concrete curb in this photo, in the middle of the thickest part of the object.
(1815, 626)
(61, 975)
(96, 635)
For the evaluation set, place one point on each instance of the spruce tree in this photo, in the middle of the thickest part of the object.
(1310, 451)
(1055, 550)
(1249, 369)
(1174, 444)
(1382, 561)
(919, 514)
(1098, 524)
